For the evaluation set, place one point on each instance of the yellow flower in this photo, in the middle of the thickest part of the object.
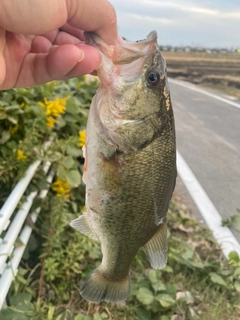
(82, 138)
(54, 107)
(50, 122)
(22, 105)
(20, 155)
(62, 188)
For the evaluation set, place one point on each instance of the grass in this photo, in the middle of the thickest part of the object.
(198, 283)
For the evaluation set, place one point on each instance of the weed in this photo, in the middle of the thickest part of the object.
(198, 283)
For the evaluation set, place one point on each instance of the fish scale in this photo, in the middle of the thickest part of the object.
(131, 164)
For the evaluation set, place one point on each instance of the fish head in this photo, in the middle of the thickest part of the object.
(133, 79)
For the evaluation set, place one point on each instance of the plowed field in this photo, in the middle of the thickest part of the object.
(219, 71)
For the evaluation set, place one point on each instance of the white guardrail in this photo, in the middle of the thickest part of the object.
(17, 228)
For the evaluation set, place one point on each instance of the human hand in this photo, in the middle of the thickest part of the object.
(43, 40)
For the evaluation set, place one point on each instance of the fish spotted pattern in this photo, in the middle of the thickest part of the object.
(130, 164)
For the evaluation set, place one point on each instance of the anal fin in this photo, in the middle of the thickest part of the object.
(82, 225)
(156, 247)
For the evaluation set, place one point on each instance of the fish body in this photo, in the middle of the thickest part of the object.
(130, 164)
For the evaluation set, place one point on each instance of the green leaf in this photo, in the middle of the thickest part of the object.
(20, 298)
(171, 289)
(165, 318)
(97, 316)
(197, 264)
(145, 296)
(42, 185)
(237, 285)
(104, 315)
(61, 122)
(70, 118)
(3, 103)
(234, 257)
(71, 107)
(73, 151)
(61, 172)
(74, 206)
(64, 316)
(217, 279)
(12, 315)
(82, 317)
(165, 300)
(237, 272)
(54, 156)
(159, 286)
(12, 120)
(68, 162)
(3, 115)
(36, 204)
(50, 313)
(73, 178)
(5, 137)
(143, 314)
(233, 220)
(168, 269)
(153, 276)
(187, 255)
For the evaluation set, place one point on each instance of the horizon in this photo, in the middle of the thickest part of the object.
(181, 23)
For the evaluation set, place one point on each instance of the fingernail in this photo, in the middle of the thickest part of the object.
(81, 54)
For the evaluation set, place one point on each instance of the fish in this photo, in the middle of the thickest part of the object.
(130, 164)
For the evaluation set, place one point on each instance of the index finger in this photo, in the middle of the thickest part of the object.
(38, 17)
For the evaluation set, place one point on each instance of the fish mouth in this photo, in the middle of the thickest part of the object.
(128, 51)
(126, 60)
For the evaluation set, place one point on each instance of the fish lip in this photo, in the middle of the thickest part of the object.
(135, 50)
(152, 36)
(128, 51)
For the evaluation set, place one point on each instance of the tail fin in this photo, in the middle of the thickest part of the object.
(97, 288)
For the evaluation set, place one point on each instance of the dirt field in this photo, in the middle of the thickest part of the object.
(216, 71)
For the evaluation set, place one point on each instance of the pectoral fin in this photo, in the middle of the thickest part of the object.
(82, 225)
(156, 247)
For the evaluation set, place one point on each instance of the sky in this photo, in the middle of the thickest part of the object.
(207, 23)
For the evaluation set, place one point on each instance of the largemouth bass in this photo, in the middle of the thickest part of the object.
(130, 164)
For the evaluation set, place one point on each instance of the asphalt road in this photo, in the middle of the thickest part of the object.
(208, 138)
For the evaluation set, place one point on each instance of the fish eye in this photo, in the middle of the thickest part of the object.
(153, 77)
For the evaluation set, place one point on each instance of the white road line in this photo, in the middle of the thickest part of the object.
(213, 219)
(195, 88)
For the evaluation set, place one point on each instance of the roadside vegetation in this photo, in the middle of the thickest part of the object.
(211, 70)
(198, 282)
